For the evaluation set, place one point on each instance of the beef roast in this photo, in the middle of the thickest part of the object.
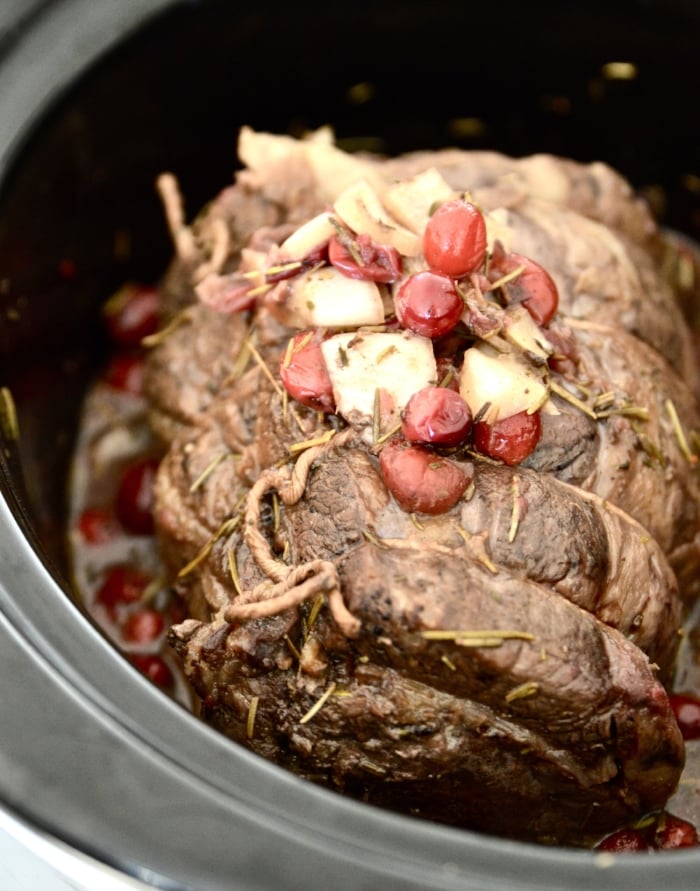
(511, 649)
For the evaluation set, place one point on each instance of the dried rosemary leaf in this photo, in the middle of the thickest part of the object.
(448, 662)
(152, 340)
(292, 266)
(515, 513)
(208, 470)
(372, 539)
(275, 511)
(689, 456)
(233, 570)
(226, 527)
(252, 711)
(315, 610)
(376, 415)
(263, 367)
(318, 705)
(8, 415)
(389, 433)
(627, 410)
(259, 291)
(481, 634)
(241, 361)
(288, 353)
(529, 688)
(564, 394)
(297, 447)
(604, 400)
(518, 271)
(292, 646)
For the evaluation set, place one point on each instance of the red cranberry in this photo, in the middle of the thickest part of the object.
(623, 841)
(436, 415)
(428, 304)
(134, 503)
(687, 711)
(155, 668)
(125, 372)
(455, 238)
(511, 439)
(143, 626)
(304, 374)
(131, 314)
(675, 833)
(419, 479)
(97, 525)
(122, 585)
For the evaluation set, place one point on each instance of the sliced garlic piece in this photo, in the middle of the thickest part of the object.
(328, 299)
(361, 209)
(505, 382)
(411, 200)
(360, 364)
(311, 235)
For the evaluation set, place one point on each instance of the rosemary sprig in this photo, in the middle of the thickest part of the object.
(522, 691)
(152, 340)
(689, 455)
(8, 415)
(226, 527)
(318, 705)
(305, 444)
(233, 570)
(208, 470)
(252, 712)
(515, 513)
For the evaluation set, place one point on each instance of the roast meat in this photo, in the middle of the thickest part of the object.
(500, 665)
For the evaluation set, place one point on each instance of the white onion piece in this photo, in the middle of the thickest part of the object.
(524, 333)
(411, 200)
(506, 382)
(326, 298)
(359, 364)
(361, 209)
(308, 237)
(498, 228)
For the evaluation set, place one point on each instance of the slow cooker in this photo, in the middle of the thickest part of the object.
(102, 778)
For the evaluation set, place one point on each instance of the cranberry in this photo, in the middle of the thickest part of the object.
(155, 668)
(510, 440)
(687, 711)
(533, 287)
(131, 314)
(428, 304)
(125, 372)
(454, 241)
(419, 479)
(143, 626)
(134, 502)
(97, 525)
(378, 262)
(121, 585)
(436, 415)
(304, 374)
(672, 833)
(624, 841)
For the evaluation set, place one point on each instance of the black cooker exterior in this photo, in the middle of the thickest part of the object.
(89, 751)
